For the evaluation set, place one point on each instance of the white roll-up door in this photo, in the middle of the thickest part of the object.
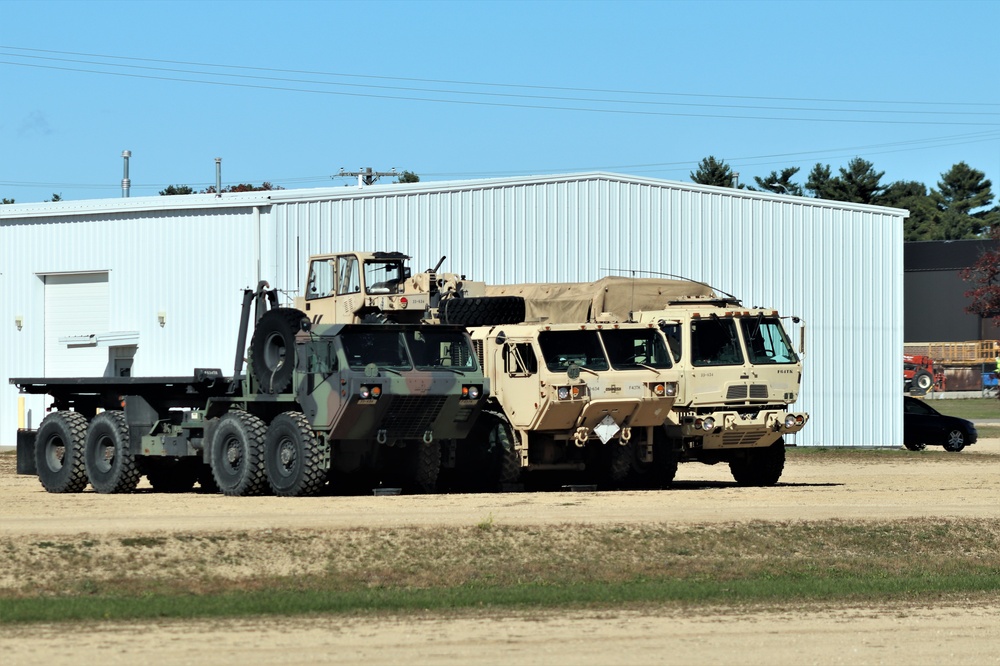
(75, 305)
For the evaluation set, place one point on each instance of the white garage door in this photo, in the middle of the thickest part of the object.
(75, 305)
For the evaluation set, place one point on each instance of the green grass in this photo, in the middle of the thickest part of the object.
(968, 408)
(411, 569)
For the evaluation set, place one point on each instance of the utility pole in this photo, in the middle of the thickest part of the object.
(365, 175)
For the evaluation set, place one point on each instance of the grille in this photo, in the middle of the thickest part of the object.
(744, 438)
(742, 391)
(477, 347)
(736, 392)
(410, 416)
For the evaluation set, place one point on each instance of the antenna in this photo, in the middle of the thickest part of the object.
(677, 277)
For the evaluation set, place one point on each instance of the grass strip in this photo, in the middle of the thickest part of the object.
(286, 602)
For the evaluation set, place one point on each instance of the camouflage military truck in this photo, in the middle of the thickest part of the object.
(320, 402)
(583, 398)
(739, 373)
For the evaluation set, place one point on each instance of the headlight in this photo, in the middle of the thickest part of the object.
(790, 421)
(365, 393)
(576, 391)
(671, 389)
(376, 391)
(659, 389)
(470, 392)
(563, 392)
(705, 424)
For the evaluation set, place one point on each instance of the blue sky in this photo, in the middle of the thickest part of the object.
(290, 92)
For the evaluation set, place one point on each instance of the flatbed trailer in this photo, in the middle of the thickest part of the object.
(318, 403)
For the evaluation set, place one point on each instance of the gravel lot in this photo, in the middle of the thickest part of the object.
(956, 485)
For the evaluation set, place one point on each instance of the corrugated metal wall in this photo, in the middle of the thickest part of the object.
(837, 266)
(187, 264)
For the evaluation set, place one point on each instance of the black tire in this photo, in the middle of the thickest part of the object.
(171, 475)
(237, 454)
(760, 467)
(922, 382)
(272, 349)
(109, 462)
(426, 466)
(295, 458)
(621, 457)
(487, 460)
(956, 440)
(59, 445)
(482, 311)
(915, 447)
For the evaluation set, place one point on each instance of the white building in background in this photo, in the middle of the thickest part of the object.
(153, 285)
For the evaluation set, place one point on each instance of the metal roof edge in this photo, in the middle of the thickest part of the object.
(267, 197)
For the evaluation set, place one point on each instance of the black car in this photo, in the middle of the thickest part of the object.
(923, 425)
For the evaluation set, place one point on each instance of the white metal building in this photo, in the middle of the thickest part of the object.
(88, 288)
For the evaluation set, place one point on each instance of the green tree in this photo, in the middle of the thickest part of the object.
(857, 183)
(407, 177)
(714, 172)
(55, 197)
(820, 182)
(172, 190)
(7, 201)
(922, 223)
(244, 187)
(780, 183)
(963, 197)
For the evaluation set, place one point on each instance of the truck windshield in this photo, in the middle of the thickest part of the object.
(561, 349)
(629, 349)
(767, 342)
(385, 349)
(384, 277)
(714, 342)
(440, 349)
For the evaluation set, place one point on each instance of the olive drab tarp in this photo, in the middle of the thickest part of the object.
(576, 302)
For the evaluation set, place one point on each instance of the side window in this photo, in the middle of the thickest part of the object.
(519, 359)
(320, 279)
(672, 334)
(348, 277)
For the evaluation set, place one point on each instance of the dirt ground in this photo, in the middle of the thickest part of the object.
(956, 485)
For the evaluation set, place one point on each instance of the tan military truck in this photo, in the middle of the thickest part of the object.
(738, 371)
(573, 398)
(378, 287)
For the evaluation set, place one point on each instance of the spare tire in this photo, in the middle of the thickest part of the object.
(482, 311)
(272, 349)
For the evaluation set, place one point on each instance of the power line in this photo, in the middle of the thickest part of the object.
(548, 107)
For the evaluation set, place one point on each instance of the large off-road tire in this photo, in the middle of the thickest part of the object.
(272, 349)
(110, 464)
(482, 311)
(237, 454)
(922, 381)
(487, 460)
(296, 459)
(760, 467)
(956, 440)
(172, 475)
(425, 460)
(59, 456)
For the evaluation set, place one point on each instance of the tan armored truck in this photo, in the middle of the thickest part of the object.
(577, 398)
(738, 372)
(378, 287)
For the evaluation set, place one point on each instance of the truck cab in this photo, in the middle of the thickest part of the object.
(375, 287)
(565, 392)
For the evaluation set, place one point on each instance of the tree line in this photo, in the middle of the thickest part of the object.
(960, 206)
